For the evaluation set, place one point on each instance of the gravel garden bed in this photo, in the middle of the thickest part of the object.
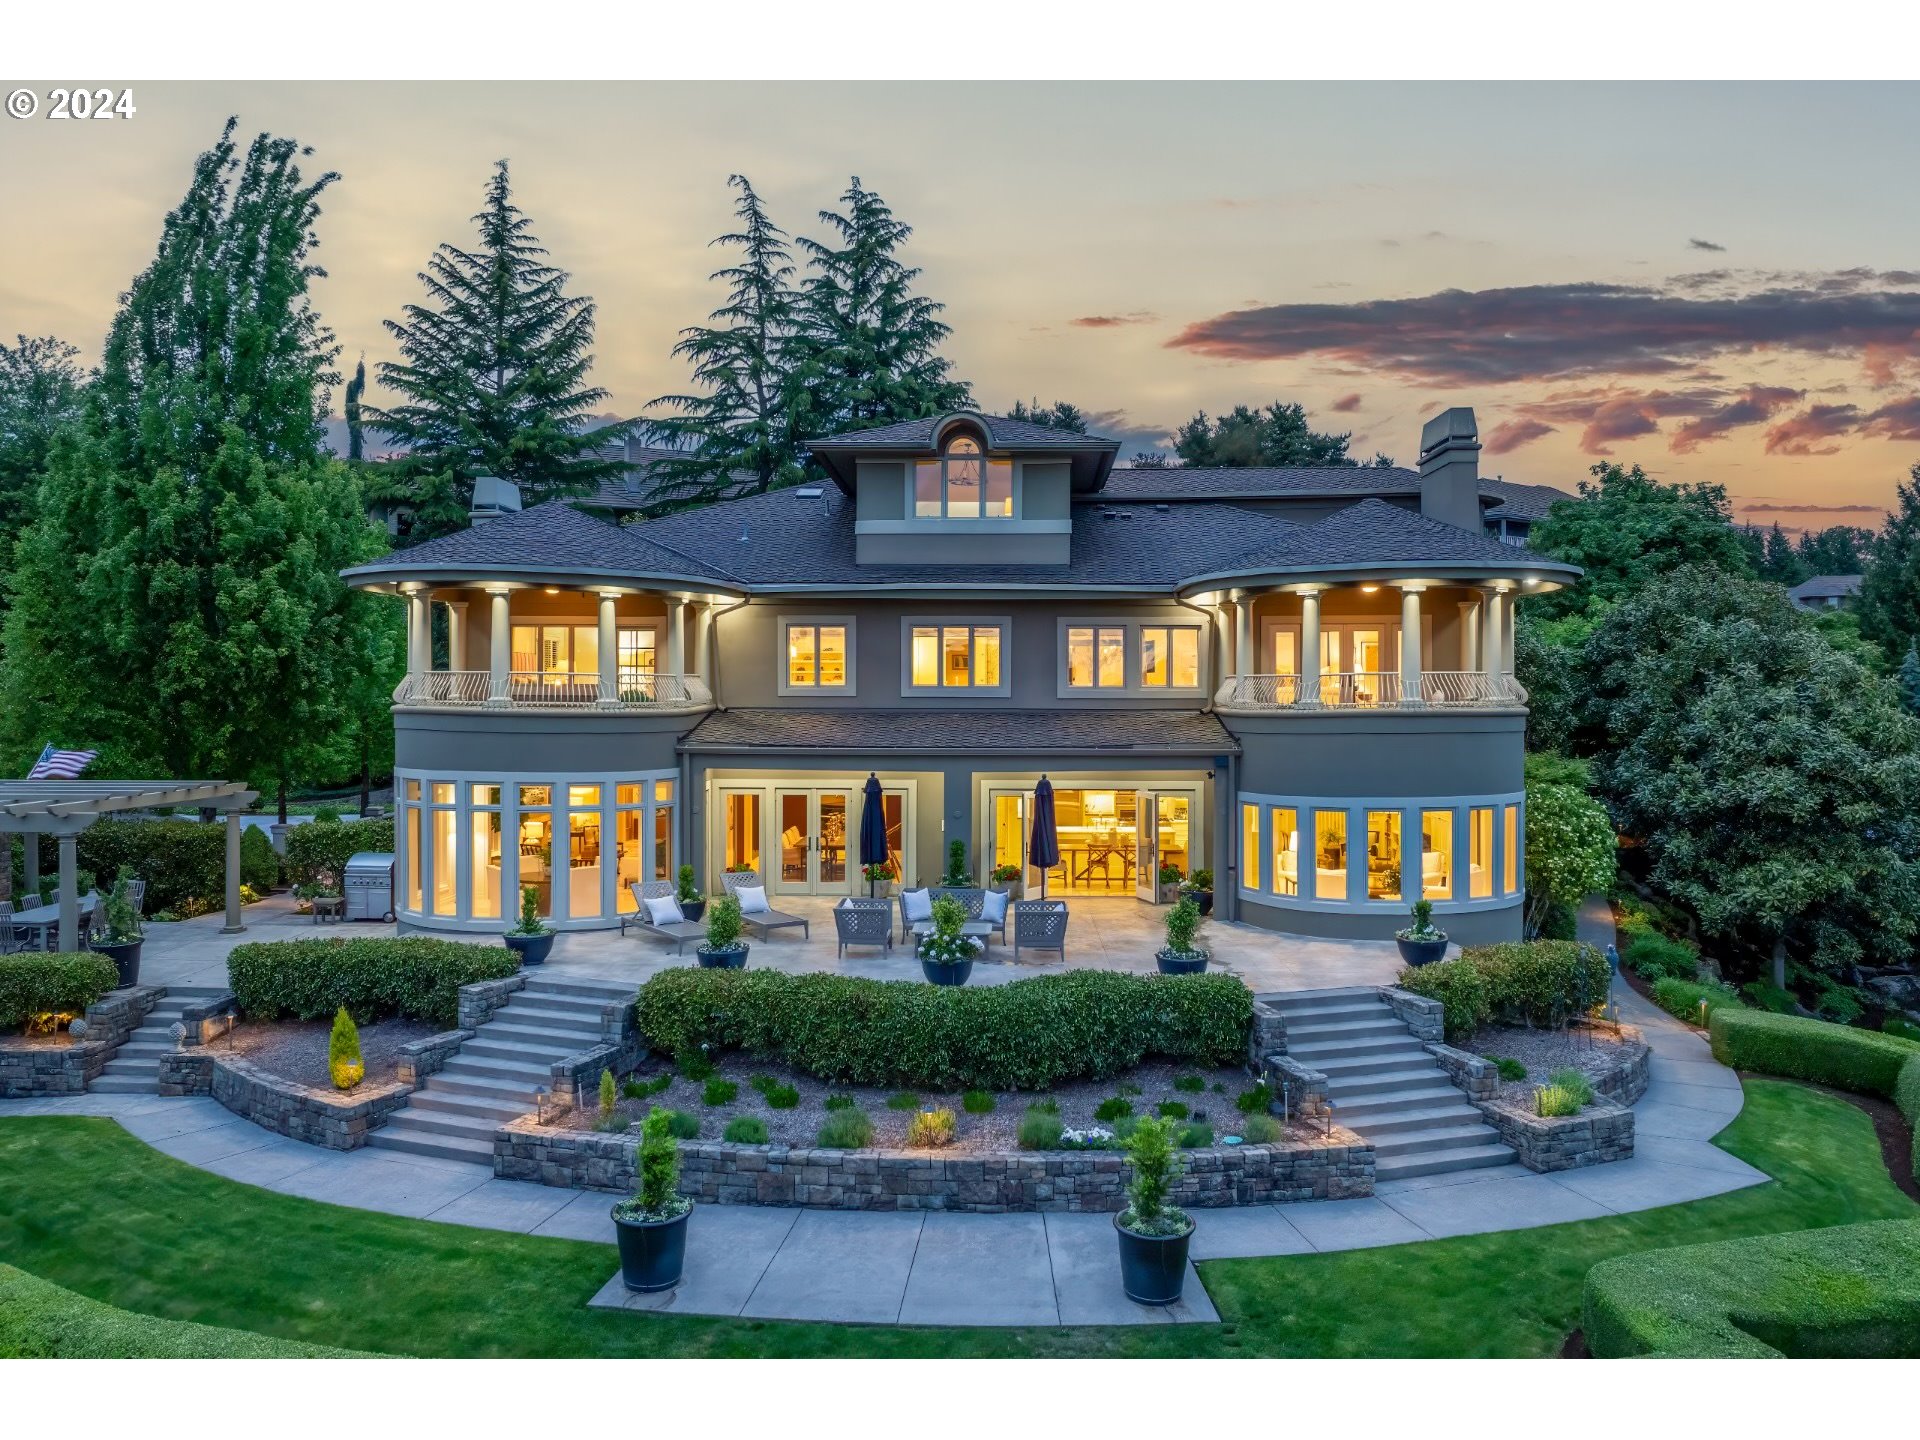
(296, 1050)
(1595, 1051)
(58, 1040)
(1202, 1095)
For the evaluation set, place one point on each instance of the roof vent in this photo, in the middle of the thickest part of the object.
(809, 492)
(492, 498)
(1163, 509)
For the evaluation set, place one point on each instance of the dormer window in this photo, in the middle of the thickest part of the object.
(963, 484)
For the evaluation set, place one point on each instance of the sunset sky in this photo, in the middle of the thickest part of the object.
(1720, 281)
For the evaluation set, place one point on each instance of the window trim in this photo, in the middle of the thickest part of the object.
(1130, 687)
(944, 457)
(1002, 623)
(784, 676)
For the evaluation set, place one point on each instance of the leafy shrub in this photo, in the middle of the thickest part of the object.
(1900, 1027)
(777, 1095)
(1540, 983)
(1040, 1129)
(841, 1102)
(1114, 1107)
(1255, 1101)
(692, 1062)
(32, 985)
(642, 1089)
(932, 1129)
(183, 861)
(1555, 1100)
(1027, 1035)
(680, 1125)
(1183, 923)
(1652, 956)
(719, 1092)
(1574, 1082)
(1765, 995)
(1261, 1130)
(346, 1069)
(845, 1130)
(1046, 1103)
(377, 979)
(1850, 1290)
(723, 924)
(1195, 1135)
(978, 1102)
(1510, 1069)
(656, 1171)
(1786, 1045)
(259, 861)
(1681, 998)
(1189, 1084)
(904, 1100)
(1836, 1002)
(319, 852)
(746, 1130)
(1171, 1109)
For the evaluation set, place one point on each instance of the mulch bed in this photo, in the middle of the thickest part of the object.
(1592, 1050)
(297, 1049)
(59, 1040)
(998, 1130)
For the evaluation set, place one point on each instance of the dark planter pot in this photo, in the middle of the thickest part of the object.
(1153, 1268)
(532, 949)
(1204, 899)
(939, 973)
(731, 957)
(1422, 952)
(126, 959)
(694, 910)
(1172, 964)
(653, 1253)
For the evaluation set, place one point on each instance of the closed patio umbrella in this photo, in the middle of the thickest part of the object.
(873, 829)
(1043, 849)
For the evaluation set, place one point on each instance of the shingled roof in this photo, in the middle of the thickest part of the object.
(1179, 483)
(1002, 434)
(1522, 502)
(1165, 732)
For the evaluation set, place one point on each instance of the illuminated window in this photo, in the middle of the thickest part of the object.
(1480, 853)
(1170, 656)
(638, 659)
(1436, 854)
(1286, 853)
(963, 484)
(1286, 652)
(487, 860)
(1329, 854)
(1250, 847)
(818, 656)
(1080, 657)
(954, 657)
(1383, 855)
(627, 821)
(1511, 866)
(556, 652)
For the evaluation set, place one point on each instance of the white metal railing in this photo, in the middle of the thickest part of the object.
(1370, 689)
(549, 690)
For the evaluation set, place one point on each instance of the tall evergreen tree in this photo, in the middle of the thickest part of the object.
(742, 430)
(1780, 562)
(868, 347)
(493, 375)
(1277, 435)
(40, 389)
(1058, 416)
(356, 388)
(1908, 680)
(1837, 550)
(1889, 607)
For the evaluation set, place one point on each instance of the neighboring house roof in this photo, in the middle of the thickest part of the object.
(1002, 433)
(1827, 587)
(939, 731)
(1521, 502)
(1301, 482)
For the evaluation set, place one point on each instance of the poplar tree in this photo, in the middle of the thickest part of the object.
(40, 390)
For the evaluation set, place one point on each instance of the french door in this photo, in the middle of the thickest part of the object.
(1163, 835)
(815, 844)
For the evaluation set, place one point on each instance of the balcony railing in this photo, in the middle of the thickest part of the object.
(1373, 689)
(549, 690)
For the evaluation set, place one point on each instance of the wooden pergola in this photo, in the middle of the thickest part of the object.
(63, 808)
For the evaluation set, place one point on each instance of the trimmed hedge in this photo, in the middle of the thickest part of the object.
(1681, 998)
(374, 979)
(41, 1321)
(1537, 983)
(1906, 1095)
(52, 985)
(1798, 1049)
(184, 862)
(1851, 1291)
(325, 846)
(1026, 1035)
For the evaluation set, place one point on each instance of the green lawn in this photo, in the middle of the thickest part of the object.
(88, 1207)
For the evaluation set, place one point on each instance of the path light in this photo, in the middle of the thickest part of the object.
(1703, 1012)
(1286, 1098)
(540, 1107)
(1326, 1121)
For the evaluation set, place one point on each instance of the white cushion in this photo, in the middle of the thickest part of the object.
(993, 906)
(752, 898)
(919, 904)
(664, 911)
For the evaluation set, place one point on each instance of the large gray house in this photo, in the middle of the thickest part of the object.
(1299, 679)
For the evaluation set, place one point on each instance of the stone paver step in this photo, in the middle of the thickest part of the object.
(1443, 1162)
(1299, 1037)
(605, 992)
(480, 1106)
(561, 1042)
(444, 1147)
(443, 1122)
(480, 1087)
(1423, 1096)
(1398, 1115)
(585, 1020)
(1376, 1062)
(1375, 1086)
(487, 1047)
(1420, 1142)
(1355, 1012)
(124, 1085)
(141, 1049)
(494, 1068)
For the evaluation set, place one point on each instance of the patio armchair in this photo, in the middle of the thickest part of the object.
(679, 932)
(11, 941)
(863, 922)
(762, 922)
(1040, 925)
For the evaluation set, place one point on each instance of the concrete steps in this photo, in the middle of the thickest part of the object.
(135, 1067)
(492, 1079)
(1385, 1087)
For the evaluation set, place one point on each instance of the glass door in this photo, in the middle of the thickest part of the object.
(814, 856)
(1146, 846)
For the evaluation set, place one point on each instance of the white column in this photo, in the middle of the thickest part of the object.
(1508, 623)
(499, 644)
(609, 651)
(703, 641)
(234, 925)
(1410, 645)
(69, 894)
(1492, 645)
(456, 635)
(1309, 690)
(1470, 634)
(1242, 634)
(676, 656)
(419, 633)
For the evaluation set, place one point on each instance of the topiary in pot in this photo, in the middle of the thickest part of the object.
(1154, 1233)
(344, 1064)
(723, 948)
(651, 1225)
(531, 939)
(693, 905)
(1422, 942)
(1170, 879)
(119, 937)
(956, 876)
(947, 953)
(1180, 956)
(1199, 885)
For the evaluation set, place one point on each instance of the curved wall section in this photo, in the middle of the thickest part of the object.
(501, 740)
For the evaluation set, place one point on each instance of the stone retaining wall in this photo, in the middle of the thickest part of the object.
(1601, 1132)
(1477, 1076)
(479, 1000)
(1628, 1081)
(421, 1058)
(1426, 1018)
(300, 1112)
(69, 1069)
(719, 1173)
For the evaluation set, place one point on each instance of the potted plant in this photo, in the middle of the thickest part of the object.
(1180, 956)
(651, 1224)
(530, 939)
(1199, 885)
(947, 953)
(723, 948)
(1170, 878)
(1009, 878)
(879, 880)
(119, 936)
(1422, 942)
(692, 903)
(956, 876)
(1154, 1234)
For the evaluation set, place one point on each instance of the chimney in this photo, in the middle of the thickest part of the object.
(492, 498)
(1450, 469)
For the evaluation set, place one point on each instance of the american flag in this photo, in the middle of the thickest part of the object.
(61, 764)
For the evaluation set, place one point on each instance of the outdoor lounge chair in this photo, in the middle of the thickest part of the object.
(1039, 925)
(762, 922)
(680, 934)
(863, 922)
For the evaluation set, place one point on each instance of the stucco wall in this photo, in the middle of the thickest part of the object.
(1355, 753)
(513, 742)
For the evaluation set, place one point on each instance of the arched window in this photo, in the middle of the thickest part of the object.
(963, 484)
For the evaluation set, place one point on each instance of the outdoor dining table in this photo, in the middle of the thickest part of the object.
(44, 920)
